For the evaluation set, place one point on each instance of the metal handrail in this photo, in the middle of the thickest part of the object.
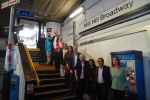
(32, 66)
(90, 56)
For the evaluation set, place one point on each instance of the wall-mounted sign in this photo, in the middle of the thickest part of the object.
(25, 13)
(49, 29)
(9, 3)
(13, 2)
(30, 88)
(123, 8)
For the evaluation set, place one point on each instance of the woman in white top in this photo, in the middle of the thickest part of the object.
(58, 46)
(61, 59)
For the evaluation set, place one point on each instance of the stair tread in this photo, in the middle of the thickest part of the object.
(48, 70)
(43, 65)
(50, 85)
(48, 74)
(53, 91)
(59, 97)
(52, 79)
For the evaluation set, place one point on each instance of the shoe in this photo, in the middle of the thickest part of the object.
(69, 94)
(74, 94)
(43, 63)
(63, 77)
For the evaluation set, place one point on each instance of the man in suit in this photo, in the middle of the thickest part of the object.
(74, 59)
(80, 71)
(102, 80)
(53, 41)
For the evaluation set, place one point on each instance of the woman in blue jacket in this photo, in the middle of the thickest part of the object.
(48, 45)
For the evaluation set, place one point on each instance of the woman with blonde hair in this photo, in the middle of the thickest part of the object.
(62, 53)
(119, 79)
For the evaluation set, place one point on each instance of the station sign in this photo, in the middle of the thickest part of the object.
(25, 13)
(128, 6)
(4, 5)
(9, 3)
(13, 2)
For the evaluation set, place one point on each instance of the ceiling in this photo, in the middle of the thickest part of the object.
(46, 10)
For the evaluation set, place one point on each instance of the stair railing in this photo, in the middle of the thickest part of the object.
(32, 66)
(84, 51)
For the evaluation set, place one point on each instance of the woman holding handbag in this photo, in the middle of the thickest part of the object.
(62, 53)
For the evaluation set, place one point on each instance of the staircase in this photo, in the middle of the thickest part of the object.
(52, 87)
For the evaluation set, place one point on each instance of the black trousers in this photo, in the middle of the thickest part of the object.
(42, 56)
(67, 75)
(52, 55)
(102, 92)
(72, 83)
(57, 63)
(118, 95)
(80, 88)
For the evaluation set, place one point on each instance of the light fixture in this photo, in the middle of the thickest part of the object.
(76, 12)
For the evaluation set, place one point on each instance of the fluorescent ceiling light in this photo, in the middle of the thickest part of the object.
(76, 12)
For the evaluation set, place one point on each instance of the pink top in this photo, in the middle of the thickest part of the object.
(100, 76)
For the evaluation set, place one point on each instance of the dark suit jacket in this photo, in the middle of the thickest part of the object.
(106, 76)
(71, 63)
(78, 68)
(53, 39)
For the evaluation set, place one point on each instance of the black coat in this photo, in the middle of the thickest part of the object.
(90, 76)
(106, 76)
(41, 44)
(53, 39)
(78, 69)
(65, 60)
(71, 63)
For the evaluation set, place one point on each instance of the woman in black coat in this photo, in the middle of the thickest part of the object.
(89, 90)
(66, 63)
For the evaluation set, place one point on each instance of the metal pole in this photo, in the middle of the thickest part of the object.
(74, 34)
(7, 74)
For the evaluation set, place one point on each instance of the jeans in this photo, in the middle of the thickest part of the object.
(62, 70)
(72, 83)
(42, 56)
(48, 53)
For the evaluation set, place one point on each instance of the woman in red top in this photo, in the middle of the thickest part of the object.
(66, 63)
(58, 46)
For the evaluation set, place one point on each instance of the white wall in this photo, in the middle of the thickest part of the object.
(137, 41)
(55, 27)
(20, 73)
